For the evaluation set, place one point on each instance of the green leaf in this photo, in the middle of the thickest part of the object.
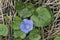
(3, 30)
(6, 18)
(50, 11)
(57, 38)
(26, 11)
(20, 34)
(30, 6)
(34, 35)
(19, 5)
(15, 25)
(43, 18)
(17, 39)
(35, 31)
(17, 19)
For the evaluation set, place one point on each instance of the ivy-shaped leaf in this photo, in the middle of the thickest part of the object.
(34, 35)
(57, 38)
(43, 18)
(50, 12)
(15, 25)
(19, 5)
(3, 30)
(26, 11)
(35, 31)
(30, 6)
(20, 34)
(17, 19)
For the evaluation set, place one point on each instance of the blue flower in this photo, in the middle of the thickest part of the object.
(26, 25)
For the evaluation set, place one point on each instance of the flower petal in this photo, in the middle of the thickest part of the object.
(24, 25)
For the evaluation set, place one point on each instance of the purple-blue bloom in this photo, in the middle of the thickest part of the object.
(26, 25)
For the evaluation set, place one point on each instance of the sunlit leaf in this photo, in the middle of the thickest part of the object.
(26, 11)
(57, 38)
(43, 18)
(3, 30)
(50, 12)
(17, 19)
(20, 34)
(34, 35)
(15, 25)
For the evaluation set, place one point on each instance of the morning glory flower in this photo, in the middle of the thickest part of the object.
(26, 25)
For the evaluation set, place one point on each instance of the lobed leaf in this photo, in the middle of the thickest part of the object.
(15, 25)
(34, 35)
(43, 18)
(26, 11)
(57, 38)
(20, 34)
(3, 30)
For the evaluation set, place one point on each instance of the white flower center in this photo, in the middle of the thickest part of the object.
(27, 27)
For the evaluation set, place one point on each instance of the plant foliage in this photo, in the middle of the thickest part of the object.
(3, 30)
